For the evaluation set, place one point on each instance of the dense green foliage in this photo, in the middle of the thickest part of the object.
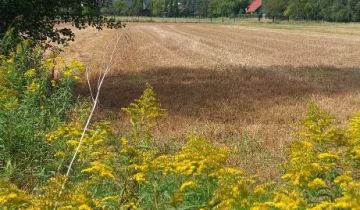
(328, 10)
(36, 19)
(186, 8)
(274, 8)
(116, 7)
(32, 103)
(227, 8)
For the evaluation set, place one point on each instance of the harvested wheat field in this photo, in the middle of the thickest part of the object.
(243, 86)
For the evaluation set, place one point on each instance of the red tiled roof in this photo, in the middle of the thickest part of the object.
(256, 4)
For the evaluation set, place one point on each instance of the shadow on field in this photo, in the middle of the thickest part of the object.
(228, 94)
(250, 109)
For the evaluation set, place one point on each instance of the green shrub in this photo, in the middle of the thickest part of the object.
(32, 103)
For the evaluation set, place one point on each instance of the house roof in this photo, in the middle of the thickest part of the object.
(256, 4)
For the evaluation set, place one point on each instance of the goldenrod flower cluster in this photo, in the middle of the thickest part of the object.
(142, 113)
(130, 172)
(321, 172)
(31, 73)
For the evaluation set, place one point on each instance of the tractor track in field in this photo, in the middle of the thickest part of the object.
(206, 45)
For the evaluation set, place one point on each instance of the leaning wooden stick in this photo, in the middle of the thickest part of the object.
(102, 77)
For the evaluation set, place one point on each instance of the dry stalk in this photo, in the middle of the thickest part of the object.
(102, 76)
(89, 85)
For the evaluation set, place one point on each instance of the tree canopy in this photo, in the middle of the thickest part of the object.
(327, 10)
(227, 7)
(117, 7)
(274, 8)
(38, 19)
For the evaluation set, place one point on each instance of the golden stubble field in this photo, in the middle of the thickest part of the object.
(245, 86)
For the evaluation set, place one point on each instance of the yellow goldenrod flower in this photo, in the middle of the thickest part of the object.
(60, 154)
(259, 206)
(357, 153)
(307, 144)
(68, 207)
(235, 191)
(72, 142)
(7, 197)
(67, 73)
(321, 206)
(259, 189)
(316, 166)
(84, 207)
(10, 60)
(124, 141)
(95, 154)
(77, 78)
(75, 64)
(343, 205)
(113, 198)
(30, 73)
(49, 63)
(11, 105)
(227, 204)
(317, 183)
(101, 169)
(187, 185)
(344, 178)
(289, 201)
(286, 176)
(129, 206)
(33, 87)
(327, 156)
(139, 177)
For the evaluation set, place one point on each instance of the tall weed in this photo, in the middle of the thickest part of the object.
(32, 103)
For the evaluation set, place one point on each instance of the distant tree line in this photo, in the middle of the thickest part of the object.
(179, 8)
(327, 10)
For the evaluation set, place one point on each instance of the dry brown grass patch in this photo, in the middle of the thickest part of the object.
(241, 86)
